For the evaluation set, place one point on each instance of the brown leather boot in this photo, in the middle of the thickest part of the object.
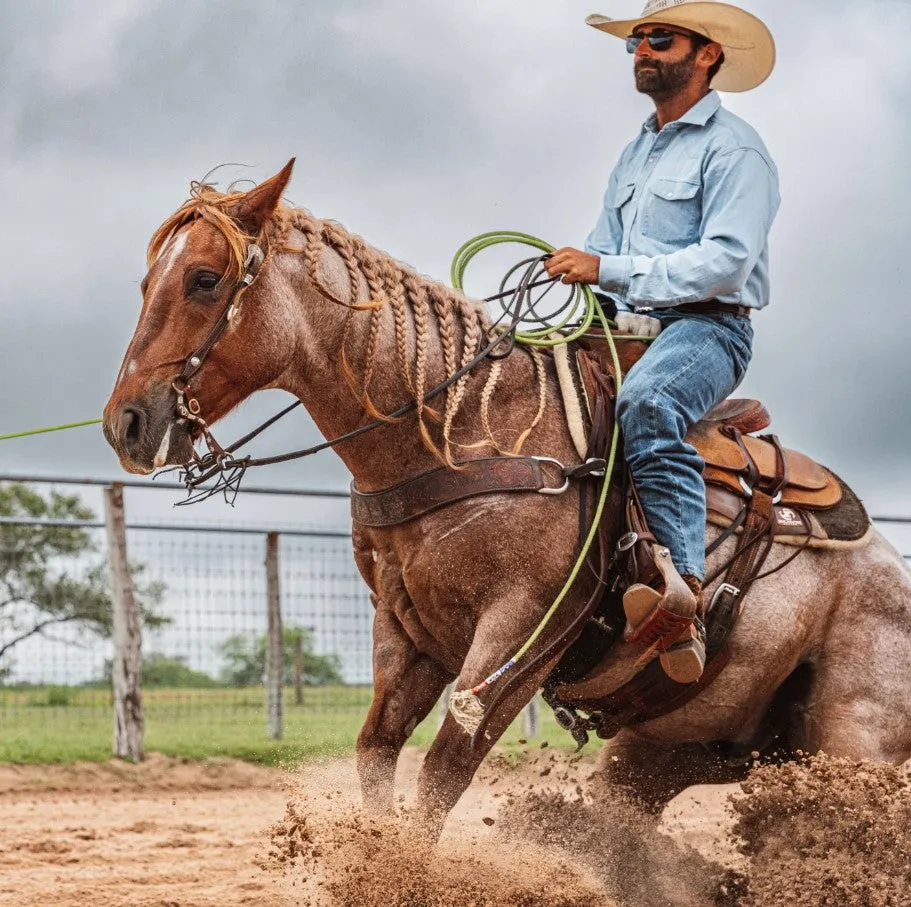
(657, 615)
(684, 660)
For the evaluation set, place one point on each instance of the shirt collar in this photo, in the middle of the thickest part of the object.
(698, 115)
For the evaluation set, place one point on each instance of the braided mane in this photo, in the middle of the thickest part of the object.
(391, 284)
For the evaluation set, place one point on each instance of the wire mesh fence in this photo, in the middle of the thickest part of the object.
(203, 596)
(202, 593)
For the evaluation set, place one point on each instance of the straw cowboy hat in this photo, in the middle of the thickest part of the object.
(749, 49)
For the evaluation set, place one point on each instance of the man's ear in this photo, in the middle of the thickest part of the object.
(710, 54)
(259, 204)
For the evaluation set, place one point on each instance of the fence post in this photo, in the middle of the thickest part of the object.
(298, 668)
(275, 661)
(126, 670)
(531, 719)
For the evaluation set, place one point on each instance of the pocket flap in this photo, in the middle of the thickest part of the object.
(674, 190)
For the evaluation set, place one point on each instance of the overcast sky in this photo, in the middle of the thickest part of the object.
(418, 125)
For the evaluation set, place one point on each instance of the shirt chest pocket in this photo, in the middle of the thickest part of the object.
(673, 211)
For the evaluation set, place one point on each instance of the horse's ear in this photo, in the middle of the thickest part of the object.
(259, 204)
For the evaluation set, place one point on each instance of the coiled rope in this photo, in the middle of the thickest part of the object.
(577, 316)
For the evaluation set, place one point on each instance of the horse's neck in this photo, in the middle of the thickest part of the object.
(385, 455)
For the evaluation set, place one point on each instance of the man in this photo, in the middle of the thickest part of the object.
(681, 248)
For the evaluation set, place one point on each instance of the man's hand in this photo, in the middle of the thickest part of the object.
(575, 266)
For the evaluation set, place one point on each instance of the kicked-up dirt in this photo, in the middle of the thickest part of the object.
(526, 834)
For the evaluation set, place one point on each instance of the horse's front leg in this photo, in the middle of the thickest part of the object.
(451, 762)
(653, 773)
(406, 685)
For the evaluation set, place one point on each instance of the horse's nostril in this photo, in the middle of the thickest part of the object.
(131, 420)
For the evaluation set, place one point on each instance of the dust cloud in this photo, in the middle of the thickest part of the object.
(821, 831)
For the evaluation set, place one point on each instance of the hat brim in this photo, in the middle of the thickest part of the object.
(749, 48)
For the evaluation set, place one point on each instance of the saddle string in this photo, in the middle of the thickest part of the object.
(768, 536)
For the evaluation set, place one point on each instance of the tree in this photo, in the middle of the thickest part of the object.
(245, 660)
(55, 576)
(162, 671)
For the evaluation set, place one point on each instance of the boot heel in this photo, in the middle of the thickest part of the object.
(684, 661)
(639, 603)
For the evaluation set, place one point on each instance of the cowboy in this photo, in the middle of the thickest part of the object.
(681, 249)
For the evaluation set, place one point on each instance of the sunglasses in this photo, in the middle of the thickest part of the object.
(657, 40)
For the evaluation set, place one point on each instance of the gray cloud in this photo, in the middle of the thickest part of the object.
(418, 127)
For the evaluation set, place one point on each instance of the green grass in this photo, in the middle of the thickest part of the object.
(67, 724)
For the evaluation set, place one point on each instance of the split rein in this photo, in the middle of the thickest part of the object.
(229, 469)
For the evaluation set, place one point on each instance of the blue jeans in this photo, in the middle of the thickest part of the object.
(694, 363)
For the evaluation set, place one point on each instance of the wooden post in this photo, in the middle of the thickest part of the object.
(275, 660)
(127, 666)
(531, 719)
(299, 668)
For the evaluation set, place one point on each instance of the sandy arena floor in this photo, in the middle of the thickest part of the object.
(224, 834)
(166, 834)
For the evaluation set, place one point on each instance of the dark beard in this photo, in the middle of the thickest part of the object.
(661, 81)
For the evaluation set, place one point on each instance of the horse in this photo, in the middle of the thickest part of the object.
(352, 333)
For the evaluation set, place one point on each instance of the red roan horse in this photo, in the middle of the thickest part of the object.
(352, 333)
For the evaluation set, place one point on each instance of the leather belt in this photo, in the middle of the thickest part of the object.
(707, 307)
(713, 307)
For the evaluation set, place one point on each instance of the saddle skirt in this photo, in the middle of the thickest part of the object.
(736, 460)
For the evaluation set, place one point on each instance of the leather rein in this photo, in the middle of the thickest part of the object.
(221, 461)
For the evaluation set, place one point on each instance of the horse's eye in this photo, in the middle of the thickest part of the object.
(205, 280)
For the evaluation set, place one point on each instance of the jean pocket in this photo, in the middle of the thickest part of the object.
(738, 338)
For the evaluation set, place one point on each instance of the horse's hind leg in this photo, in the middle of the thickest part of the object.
(859, 705)
(406, 685)
(653, 774)
(858, 714)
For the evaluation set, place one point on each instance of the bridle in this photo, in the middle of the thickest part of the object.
(221, 461)
(187, 406)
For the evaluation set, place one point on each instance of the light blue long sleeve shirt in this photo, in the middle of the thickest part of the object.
(687, 214)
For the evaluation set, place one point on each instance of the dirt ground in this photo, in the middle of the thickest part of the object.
(172, 834)
(175, 834)
(163, 833)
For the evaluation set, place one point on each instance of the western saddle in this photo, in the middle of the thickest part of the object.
(738, 462)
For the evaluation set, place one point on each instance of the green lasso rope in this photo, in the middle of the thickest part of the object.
(582, 293)
(42, 431)
(469, 707)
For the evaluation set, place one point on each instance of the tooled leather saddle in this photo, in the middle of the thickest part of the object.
(738, 462)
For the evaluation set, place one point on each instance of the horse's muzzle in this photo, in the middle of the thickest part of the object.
(144, 432)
